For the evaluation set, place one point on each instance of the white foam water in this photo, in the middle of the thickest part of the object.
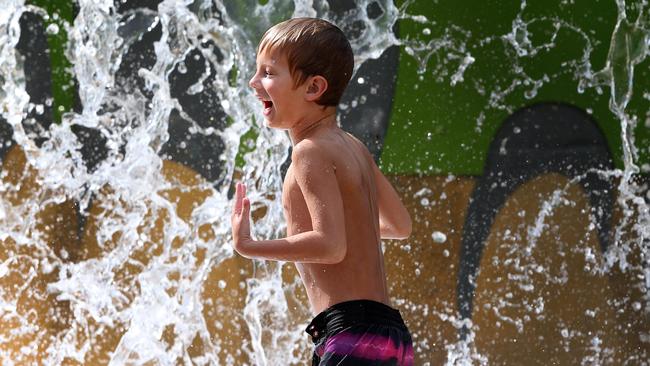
(146, 284)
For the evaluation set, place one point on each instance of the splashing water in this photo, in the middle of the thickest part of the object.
(143, 289)
(146, 274)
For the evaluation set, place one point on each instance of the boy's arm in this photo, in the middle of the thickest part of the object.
(326, 242)
(394, 219)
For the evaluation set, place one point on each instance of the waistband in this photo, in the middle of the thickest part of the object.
(342, 315)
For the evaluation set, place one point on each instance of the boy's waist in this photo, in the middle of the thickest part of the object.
(342, 315)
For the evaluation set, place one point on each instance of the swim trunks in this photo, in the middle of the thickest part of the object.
(360, 333)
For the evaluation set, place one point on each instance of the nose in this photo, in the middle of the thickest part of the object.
(254, 82)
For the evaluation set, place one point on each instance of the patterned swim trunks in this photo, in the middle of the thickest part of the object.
(360, 332)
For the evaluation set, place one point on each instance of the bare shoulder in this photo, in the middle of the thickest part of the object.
(312, 157)
(309, 151)
(305, 148)
(344, 153)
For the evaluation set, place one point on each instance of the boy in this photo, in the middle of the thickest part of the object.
(337, 203)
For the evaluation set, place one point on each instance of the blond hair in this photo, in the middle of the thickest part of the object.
(313, 47)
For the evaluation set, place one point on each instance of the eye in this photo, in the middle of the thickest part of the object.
(267, 73)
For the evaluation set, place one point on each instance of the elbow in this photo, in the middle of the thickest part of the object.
(398, 232)
(403, 231)
(408, 228)
(337, 253)
(397, 226)
(397, 236)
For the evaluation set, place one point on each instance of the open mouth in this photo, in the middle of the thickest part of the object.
(268, 105)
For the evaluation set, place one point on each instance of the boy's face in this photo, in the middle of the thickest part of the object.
(274, 86)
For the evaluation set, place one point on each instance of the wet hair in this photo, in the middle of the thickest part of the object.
(313, 47)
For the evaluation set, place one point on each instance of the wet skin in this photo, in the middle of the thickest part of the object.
(336, 201)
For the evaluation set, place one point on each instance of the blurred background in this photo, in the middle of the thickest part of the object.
(516, 132)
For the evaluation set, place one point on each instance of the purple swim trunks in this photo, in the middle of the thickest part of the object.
(360, 332)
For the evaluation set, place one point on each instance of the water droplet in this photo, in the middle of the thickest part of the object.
(439, 237)
(195, 89)
(182, 68)
(52, 29)
(530, 94)
(565, 333)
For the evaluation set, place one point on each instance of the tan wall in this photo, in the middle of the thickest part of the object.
(566, 311)
(27, 260)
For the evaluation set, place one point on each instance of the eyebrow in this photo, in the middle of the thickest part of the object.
(264, 67)
(272, 59)
(272, 63)
(266, 64)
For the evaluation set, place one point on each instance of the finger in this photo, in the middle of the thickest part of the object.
(238, 199)
(247, 206)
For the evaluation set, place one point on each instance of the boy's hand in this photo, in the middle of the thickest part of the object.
(241, 232)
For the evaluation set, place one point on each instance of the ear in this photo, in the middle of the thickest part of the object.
(316, 86)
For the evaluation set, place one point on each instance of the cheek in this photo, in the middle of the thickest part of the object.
(273, 89)
(269, 84)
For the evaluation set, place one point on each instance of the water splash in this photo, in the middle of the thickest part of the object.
(453, 51)
(154, 280)
(135, 284)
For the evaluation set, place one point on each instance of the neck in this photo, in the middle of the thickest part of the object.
(305, 129)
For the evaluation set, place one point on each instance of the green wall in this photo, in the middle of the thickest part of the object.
(433, 125)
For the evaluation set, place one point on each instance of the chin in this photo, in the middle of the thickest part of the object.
(269, 123)
(275, 124)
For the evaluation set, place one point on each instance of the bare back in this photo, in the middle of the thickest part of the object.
(360, 275)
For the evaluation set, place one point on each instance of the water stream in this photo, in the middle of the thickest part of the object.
(145, 273)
